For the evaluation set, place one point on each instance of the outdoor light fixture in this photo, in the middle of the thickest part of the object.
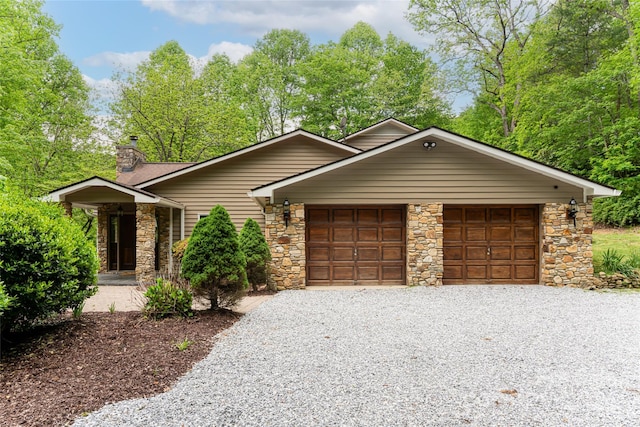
(573, 210)
(429, 145)
(120, 210)
(286, 211)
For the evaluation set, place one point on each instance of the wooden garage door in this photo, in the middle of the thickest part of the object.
(355, 245)
(491, 244)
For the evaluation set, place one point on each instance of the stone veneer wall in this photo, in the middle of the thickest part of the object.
(145, 243)
(425, 258)
(566, 256)
(288, 258)
(68, 208)
(163, 239)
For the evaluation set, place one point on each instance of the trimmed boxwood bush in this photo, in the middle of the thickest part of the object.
(256, 251)
(46, 264)
(213, 261)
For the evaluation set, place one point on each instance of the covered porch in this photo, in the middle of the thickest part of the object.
(136, 229)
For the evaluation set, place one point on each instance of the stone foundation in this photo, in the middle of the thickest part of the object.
(287, 243)
(425, 259)
(566, 257)
(145, 243)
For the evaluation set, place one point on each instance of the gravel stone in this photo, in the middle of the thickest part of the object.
(452, 355)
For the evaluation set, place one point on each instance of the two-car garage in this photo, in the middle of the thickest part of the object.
(366, 245)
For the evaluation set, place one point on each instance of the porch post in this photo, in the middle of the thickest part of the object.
(145, 243)
(68, 209)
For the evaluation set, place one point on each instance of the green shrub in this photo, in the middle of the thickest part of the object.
(213, 261)
(178, 249)
(256, 251)
(166, 299)
(46, 264)
(613, 261)
(5, 300)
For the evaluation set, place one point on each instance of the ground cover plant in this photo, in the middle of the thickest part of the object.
(61, 370)
(616, 250)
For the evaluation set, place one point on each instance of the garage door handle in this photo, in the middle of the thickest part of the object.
(355, 252)
(488, 250)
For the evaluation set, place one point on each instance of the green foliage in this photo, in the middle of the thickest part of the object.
(166, 299)
(179, 248)
(112, 307)
(77, 310)
(183, 345)
(5, 300)
(213, 260)
(45, 126)
(179, 116)
(613, 261)
(256, 251)
(46, 264)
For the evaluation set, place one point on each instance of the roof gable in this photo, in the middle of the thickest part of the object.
(434, 134)
(384, 127)
(252, 148)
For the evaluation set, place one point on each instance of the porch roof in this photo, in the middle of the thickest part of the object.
(96, 191)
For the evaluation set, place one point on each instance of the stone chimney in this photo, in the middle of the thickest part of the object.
(128, 157)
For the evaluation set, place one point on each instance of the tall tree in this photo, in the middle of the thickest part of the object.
(271, 80)
(169, 107)
(480, 37)
(44, 102)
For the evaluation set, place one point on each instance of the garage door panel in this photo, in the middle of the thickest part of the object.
(475, 234)
(525, 253)
(343, 234)
(524, 234)
(367, 216)
(343, 216)
(501, 253)
(500, 215)
(393, 253)
(525, 272)
(453, 233)
(476, 253)
(368, 253)
(363, 244)
(343, 254)
(319, 272)
(453, 253)
(491, 244)
(367, 234)
(392, 234)
(500, 234)
(476, 272)
(393, 273)
(319, 254)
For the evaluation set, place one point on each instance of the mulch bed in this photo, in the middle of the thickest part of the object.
(60, 371)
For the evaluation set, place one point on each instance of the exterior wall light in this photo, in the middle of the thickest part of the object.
(573, 210)
(429, 145)
(286, 211)
(120, 210)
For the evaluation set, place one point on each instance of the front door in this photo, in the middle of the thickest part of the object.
(491, 244)
(355, 245)
(122, 242)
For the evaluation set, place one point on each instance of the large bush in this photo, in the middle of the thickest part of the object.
(213, 261)
(46, 264)
(256, 251)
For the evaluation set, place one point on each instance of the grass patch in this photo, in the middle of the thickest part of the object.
(625, 241)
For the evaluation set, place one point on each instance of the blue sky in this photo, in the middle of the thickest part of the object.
(103, 36)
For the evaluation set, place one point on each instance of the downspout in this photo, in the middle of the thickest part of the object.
(170, 241)
(182, 224)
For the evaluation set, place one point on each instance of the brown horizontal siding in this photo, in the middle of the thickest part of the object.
(228, 182)
(448, 173)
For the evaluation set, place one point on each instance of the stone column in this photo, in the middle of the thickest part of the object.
(68, 209)
(288, 258)
(425, 240)
(102, 242)
(163, 239)
(145, 243)
(566, 255)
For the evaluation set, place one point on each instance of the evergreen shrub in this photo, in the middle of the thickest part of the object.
(256, 251)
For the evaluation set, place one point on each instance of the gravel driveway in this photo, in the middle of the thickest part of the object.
(448, 356)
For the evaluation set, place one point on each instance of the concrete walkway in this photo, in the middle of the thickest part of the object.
(130, 298)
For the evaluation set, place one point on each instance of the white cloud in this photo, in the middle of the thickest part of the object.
(330, 18)
(235, 51)
(121, 61)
